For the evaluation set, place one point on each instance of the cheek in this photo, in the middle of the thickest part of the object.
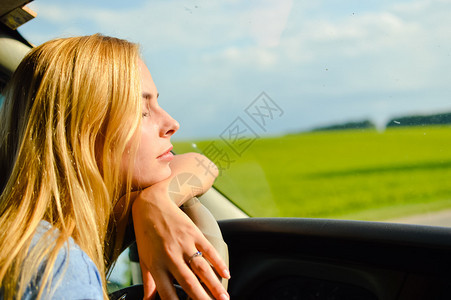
(147, 169)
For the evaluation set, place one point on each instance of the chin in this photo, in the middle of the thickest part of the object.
(155, 178)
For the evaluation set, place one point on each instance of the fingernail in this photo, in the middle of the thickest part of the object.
(223, 297)
(226, 274)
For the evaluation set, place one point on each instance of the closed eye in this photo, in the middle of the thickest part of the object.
(148, 96)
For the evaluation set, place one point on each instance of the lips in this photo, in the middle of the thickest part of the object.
(167, 155)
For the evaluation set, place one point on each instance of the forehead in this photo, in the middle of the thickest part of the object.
(147, 84)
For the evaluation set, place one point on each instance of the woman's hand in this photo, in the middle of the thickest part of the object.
(167, 238)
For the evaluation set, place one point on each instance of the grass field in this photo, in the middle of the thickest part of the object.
(353, 174)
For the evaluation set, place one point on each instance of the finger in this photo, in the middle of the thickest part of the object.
(190, 284)
(208, 277)
(164, 285)
(213, 257)
(150, 288)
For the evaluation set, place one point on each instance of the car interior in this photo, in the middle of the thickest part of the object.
(296, 258)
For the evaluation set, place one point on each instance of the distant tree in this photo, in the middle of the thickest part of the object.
(366, 124)
(421, 120)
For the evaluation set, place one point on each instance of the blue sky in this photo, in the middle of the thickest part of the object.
(322, 62)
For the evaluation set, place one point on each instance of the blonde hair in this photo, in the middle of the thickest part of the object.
(69, 112)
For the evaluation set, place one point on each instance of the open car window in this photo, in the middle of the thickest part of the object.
(324, 109)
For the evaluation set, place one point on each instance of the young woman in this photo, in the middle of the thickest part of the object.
(84, 149)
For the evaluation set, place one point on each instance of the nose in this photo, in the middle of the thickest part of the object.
(169, 125)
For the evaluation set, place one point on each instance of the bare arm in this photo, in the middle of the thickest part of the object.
(192, 173)
(167, 238)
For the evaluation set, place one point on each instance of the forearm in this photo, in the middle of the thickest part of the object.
(167, 237)
(192, 175)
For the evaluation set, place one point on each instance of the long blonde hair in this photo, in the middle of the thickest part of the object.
(69, 111)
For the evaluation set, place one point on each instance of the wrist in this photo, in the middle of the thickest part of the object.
(152, 198)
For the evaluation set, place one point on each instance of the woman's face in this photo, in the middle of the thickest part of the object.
(157, 126)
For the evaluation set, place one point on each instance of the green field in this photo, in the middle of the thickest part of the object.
(353, 174)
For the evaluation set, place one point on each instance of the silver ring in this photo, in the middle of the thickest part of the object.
(197, 254)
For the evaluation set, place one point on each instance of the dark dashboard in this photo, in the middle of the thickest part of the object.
(336, 259)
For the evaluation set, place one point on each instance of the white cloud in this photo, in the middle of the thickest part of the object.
(268, 20)
(244, 57)
(301, 50)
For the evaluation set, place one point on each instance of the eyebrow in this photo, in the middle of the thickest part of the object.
(149, 96)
